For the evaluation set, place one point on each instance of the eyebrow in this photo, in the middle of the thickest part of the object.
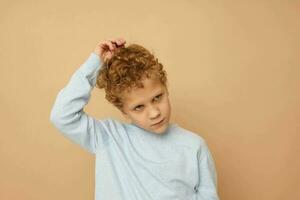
(138, 104)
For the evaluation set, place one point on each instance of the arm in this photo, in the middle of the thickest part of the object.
(67, 113)
(207, 185)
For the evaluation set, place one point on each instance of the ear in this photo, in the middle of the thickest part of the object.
(167, 90)
(124, 114)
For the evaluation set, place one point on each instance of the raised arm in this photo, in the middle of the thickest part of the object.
(67, 113)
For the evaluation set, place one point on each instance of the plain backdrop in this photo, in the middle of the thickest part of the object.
(233, 74)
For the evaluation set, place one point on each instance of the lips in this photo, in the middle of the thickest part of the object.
(158, 122)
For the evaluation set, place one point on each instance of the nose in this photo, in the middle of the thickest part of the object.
(154, 112)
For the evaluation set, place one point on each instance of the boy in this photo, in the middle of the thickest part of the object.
(148, 159)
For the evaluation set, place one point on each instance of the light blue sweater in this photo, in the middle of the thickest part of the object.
(132, 163)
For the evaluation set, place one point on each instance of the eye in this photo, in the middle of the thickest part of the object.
(158, 97)
(139, 107)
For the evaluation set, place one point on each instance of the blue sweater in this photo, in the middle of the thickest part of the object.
(132, 163)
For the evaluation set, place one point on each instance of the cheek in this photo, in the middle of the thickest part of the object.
(166, 105)
(138, 118)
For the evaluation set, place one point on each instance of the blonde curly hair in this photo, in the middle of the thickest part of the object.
(125, 71)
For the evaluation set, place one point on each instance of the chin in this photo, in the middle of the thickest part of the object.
(160, 130)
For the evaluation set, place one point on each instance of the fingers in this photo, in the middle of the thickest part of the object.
(107, 48)
(118, 42)
(112, 44)
(109, 44)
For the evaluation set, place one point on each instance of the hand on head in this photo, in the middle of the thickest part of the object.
(105, 49)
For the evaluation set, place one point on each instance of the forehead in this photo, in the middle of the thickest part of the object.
(139, 95)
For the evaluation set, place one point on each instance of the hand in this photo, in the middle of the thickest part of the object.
(107, 48)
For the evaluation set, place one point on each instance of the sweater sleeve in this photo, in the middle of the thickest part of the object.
(206, 188)
(67, 113)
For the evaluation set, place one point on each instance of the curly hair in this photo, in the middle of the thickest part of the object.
(126, 69)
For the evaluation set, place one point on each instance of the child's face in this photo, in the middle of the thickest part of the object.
(147, 106)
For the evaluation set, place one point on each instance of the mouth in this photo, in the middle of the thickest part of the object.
(159, 123)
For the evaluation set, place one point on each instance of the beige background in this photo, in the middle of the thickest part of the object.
(233, 70)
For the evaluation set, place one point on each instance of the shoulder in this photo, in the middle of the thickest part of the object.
(112, 125)
(188, 137)
(110, 121)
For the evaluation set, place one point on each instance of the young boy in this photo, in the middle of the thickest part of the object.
(149, 158)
